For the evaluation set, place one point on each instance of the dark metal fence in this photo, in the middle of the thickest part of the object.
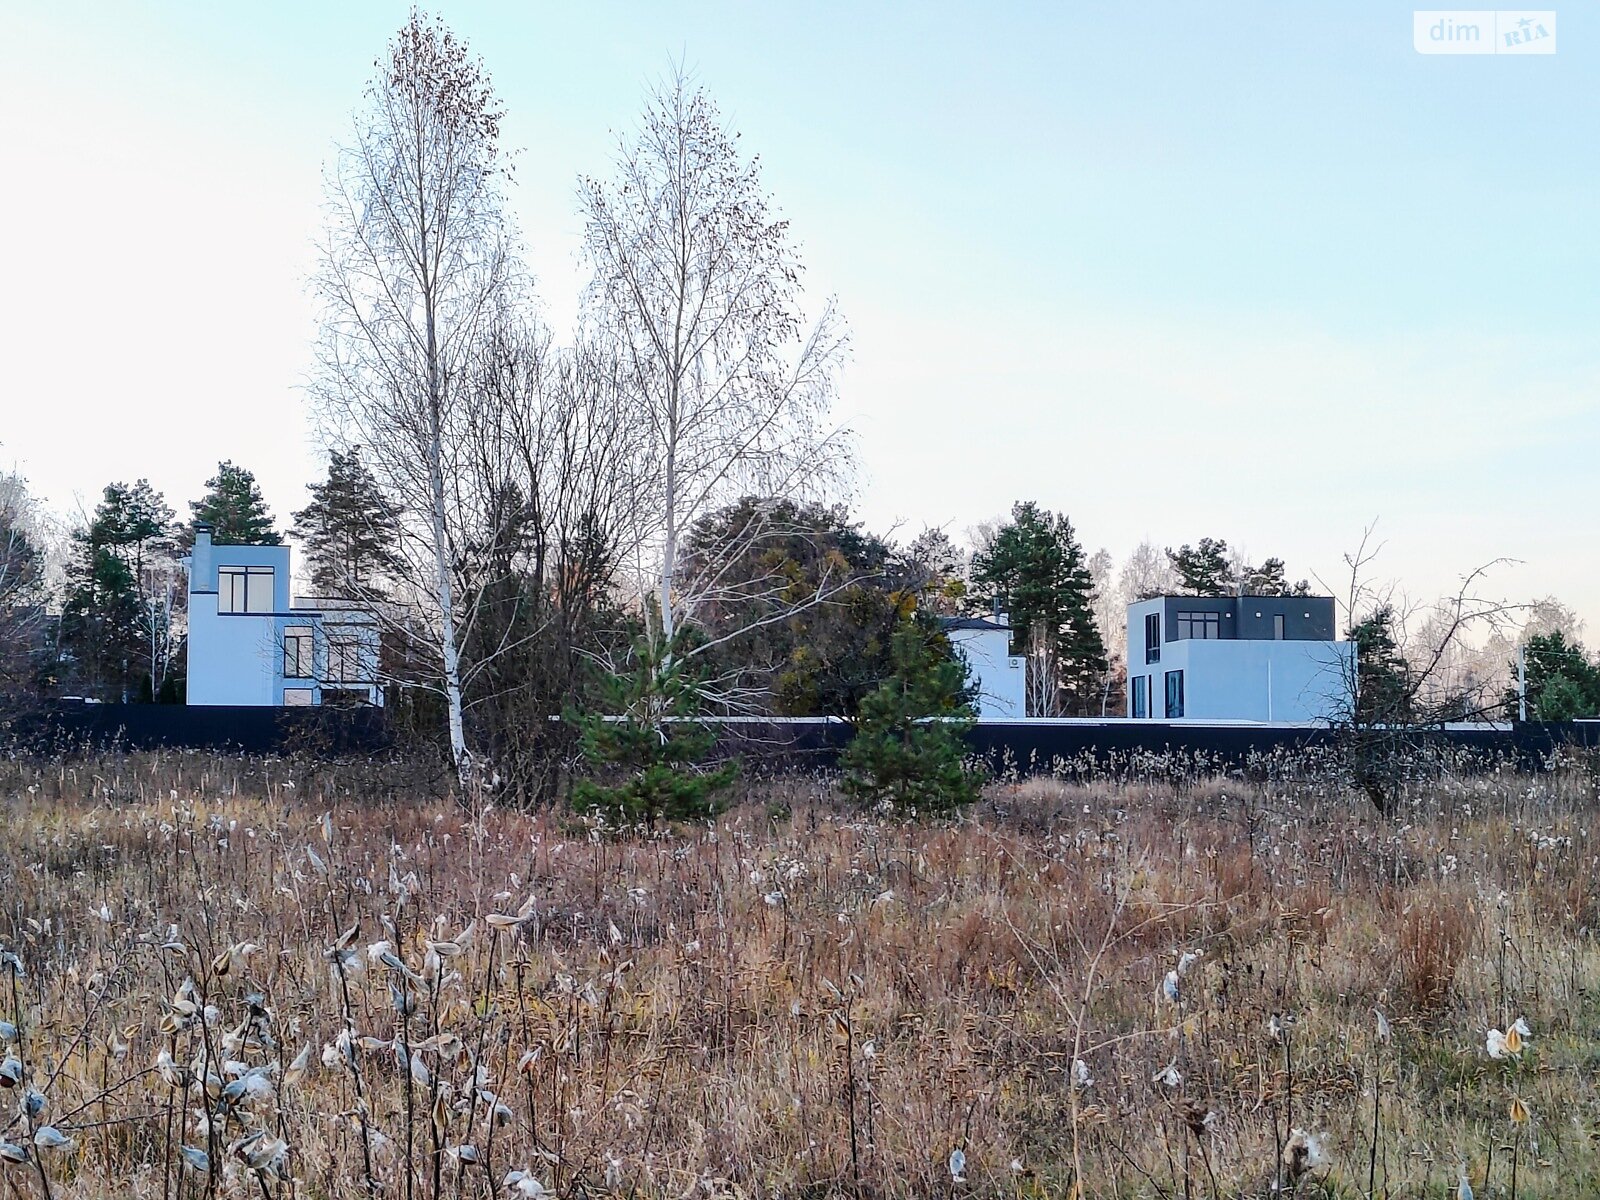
(246, 730)
(1023, 746)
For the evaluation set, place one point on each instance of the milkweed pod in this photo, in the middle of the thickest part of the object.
(958, 1165)
(13, 1152)
(1169, 987)
(48, 1137)
(195, 1159)
(297, 1068)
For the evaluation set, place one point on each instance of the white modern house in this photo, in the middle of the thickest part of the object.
(250, 644)
(999, 675)
(1238, 658)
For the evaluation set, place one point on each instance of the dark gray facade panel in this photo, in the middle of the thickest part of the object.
(1250, 618)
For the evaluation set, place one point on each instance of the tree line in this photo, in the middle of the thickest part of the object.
(644, 517)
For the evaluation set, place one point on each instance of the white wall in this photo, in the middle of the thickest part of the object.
(1266, 680)
(1252, 680)
(1001, 679)
(234, 658)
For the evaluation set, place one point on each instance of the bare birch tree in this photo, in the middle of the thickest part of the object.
(1146, 572)
(697, 283)
(415, 268)
(23, 585)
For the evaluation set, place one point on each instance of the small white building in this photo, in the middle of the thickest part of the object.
(999, 675)
(249, 644)
(1238, 658)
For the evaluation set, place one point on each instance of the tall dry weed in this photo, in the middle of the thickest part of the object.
(1436, 932)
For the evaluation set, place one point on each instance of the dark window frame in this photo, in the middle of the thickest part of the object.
(1139, 701)
(299, 650)
(234, 588)
(1208, 624)
(344, 659)
(1174, 695)
(1152, 637)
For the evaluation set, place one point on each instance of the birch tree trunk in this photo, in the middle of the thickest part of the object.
(415, 272)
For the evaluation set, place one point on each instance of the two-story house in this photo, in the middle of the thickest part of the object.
(250, 644)
(1238, 658)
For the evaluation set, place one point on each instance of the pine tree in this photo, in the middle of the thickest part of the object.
(1385, 688)
(100, 620)
(770, 559)
(647, 746)
(1562, 683)
(1204, 570)
(1037, 567)
(235, 509)
(349, 531)
(137, 522)
(907, 751)
(109, 623)
(1269, 580)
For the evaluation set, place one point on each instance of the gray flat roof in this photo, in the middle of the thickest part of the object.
(970, 623)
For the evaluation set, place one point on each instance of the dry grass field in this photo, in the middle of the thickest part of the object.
(226, 977)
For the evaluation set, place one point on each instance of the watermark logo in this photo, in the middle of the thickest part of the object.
(1483, 31)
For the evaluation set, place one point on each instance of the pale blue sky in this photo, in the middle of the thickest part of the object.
(1252, 270)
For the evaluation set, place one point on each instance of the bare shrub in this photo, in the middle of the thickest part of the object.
(1436, 932)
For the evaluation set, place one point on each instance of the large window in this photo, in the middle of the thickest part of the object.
(1174, 694)
(244, 589)
(1140, 704)
(298, 650)
(344, 660)
(1152, 637)
(1203, 625)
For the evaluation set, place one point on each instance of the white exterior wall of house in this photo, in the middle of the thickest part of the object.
(238, 658)
(999, 674)
(1279, 682)
(1224, 679)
